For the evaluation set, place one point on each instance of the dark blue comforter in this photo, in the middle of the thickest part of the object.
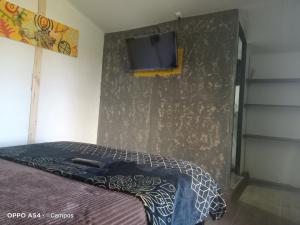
(174, 192)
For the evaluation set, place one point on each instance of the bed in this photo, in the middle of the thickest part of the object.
(166, 190)
(44, 198)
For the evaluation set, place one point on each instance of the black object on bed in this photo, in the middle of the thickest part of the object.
(174, 192)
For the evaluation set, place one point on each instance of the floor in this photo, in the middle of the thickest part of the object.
(235, 180)
(263, 205)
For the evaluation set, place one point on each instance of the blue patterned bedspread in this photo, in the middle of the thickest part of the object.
(173, 192)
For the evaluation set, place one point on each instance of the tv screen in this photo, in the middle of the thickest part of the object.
(153, 52)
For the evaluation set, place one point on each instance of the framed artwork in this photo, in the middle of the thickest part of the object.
(23, 25)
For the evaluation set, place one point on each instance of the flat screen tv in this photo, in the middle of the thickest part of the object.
(154, 52)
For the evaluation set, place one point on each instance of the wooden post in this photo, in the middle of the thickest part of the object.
(35, 86)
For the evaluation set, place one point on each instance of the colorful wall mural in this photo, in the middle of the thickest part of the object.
(23, 25)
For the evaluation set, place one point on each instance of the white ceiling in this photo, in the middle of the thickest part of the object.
(116, 15)
(271, 25)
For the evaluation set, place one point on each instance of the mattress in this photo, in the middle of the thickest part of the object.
(34, 197)
(173, 192)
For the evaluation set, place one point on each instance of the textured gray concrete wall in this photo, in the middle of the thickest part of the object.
(187, 117)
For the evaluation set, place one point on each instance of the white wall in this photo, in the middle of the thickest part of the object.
(16, 64)
(272, 25)
(272, 160)
(276, 65)
(70, 87)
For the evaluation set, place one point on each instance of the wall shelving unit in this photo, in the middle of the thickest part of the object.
(254, 81)
(272, 106)
(272, 138)
(273, 80)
